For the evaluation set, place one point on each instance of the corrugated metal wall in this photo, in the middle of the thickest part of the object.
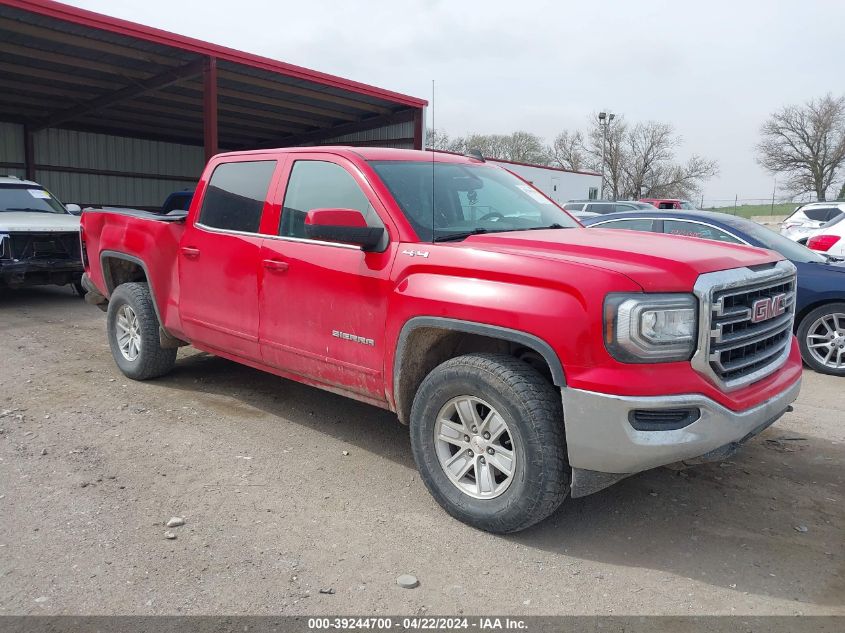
(11, 149)
(148, 170)
(142, 163)
(398, 135)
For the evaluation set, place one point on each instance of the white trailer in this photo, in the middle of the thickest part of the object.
(558, 184)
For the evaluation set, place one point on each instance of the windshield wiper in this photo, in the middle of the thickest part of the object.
(452, 237)
(554, 225)
(29, 209)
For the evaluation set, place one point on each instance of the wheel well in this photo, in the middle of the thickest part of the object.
(427, 347)
(117, 270)
(809, 308)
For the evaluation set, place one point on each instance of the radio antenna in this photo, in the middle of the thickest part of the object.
(433, 131)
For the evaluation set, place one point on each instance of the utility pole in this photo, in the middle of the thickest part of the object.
(604, 121)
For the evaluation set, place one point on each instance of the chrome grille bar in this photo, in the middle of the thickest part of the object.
(733, 350)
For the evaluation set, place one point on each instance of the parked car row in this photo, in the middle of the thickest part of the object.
(820, 302)
(39, 235)
(812, 219)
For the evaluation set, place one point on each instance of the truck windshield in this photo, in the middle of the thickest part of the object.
(28, 198)
(467, 199)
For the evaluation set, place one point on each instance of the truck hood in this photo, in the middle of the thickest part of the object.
(17, 221)
(657, 262)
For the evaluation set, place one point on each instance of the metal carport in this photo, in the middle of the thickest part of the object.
(100, 107)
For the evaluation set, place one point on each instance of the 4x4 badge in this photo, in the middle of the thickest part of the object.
(415, 253)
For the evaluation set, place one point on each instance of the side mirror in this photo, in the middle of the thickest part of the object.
(346, 226)
(73, 209)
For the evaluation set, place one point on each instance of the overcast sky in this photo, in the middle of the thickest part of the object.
(712, 69)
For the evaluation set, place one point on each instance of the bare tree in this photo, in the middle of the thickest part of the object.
(568, 151)
(518, 146)
(639, 160)
(440, 140)
(806, 143)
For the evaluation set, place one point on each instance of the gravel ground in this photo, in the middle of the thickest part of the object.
(287, 491)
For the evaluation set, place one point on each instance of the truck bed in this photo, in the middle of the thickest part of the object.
(174, 216)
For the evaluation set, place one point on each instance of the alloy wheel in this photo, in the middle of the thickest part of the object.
(475, 447)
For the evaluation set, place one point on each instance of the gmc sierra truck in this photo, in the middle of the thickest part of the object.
(531, 358)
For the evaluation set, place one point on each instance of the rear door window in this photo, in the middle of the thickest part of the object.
(235, 196)
(574, 206)
(631, 224)
(692, 229)
(601, 207)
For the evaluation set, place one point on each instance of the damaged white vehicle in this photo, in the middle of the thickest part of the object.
(39, 237)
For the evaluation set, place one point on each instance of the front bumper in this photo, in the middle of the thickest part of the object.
(39, 271)
(604, 446)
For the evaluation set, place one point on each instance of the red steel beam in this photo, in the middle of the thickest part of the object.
(158, 36)
(209, 107)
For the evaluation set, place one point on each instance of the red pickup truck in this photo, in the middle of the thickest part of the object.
(532, 358)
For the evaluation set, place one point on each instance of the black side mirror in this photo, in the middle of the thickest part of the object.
(346, 226)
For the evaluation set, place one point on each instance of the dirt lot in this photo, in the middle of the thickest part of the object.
(92, 465)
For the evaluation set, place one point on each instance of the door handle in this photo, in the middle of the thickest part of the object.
(190, 252)
(275, 264)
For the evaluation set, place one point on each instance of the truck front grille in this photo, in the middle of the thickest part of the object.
(746, 323)
(59, 245)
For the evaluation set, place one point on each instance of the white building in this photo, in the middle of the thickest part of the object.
(559, 184)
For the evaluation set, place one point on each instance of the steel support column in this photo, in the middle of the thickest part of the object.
(29, 152)
(209, 107)
(419, 132)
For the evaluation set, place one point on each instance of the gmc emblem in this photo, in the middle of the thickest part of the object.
(768, 308)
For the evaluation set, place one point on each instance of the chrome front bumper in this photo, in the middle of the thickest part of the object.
(604, 446)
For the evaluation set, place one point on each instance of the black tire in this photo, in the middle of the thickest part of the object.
(804, 331)
(532, 409)
(152, 361)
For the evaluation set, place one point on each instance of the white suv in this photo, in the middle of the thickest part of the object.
(39, 237)
(807, 219)
(830, 239)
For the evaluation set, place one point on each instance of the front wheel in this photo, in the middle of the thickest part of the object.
(488, 439)
(133, 327)
(821, 337)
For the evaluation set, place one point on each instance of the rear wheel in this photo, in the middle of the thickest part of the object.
(487, 437)
(821, 336)
(133, 332)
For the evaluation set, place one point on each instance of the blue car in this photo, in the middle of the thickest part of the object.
(820, 304)
(178, 201)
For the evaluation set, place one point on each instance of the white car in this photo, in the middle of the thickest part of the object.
(39, 237)
(808, 219)
(830, 240)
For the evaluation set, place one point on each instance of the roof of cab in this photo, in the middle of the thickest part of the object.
(13, 180)
(367, 153)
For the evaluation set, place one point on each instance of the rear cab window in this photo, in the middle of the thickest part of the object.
(235, 196)
(822, 214)
(601, 207)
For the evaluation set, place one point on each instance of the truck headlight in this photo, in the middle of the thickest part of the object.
(650, 328)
